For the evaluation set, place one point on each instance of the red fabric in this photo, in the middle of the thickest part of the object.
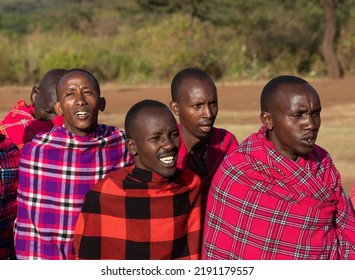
(21, 126)
(9, 164)
(221, 143)
(263, 205)
(352, 195)
(137, 214)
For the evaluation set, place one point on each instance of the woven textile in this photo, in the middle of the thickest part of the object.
(221, 143)
(21, 126)
(57, 169)
(137, 214)
(9, 162)
(263, 205)
(352, 195)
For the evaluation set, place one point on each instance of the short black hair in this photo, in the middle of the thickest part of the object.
(271, 89)
(96, 83)
(195, 73)
(132, 114)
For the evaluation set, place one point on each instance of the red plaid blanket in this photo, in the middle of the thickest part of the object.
(222, 143)
(21, 126)
(264, 206)
(137, 214)
(9, 162)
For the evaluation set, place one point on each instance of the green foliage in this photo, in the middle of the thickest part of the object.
(150, 40)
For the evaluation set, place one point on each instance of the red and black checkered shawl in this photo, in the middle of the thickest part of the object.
(263, 205)
(9, 163)
(137, 214)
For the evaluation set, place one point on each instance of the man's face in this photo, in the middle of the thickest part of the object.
(295, 120)
(197, 108)
(156, 141)
(43, 103)
(79, 102)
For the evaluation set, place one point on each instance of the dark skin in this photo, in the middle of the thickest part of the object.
(197, 108)
(156, 141)
(293, 120)
(43, 96)
(79, 102)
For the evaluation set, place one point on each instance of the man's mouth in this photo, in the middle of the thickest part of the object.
(168, 161)
(82, 114)
(206, 128)
(310, 140)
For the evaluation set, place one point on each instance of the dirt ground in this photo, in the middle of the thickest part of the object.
(337, 98)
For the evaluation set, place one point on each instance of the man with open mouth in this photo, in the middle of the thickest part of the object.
(203, 146)
(150, 210)
(279, 196)
(58, 168)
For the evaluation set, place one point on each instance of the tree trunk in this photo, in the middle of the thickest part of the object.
(333, 65)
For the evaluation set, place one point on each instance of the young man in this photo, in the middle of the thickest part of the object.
(194, 101)
(9, 162)
(154, 207)
(279, 196)
(58, 168)
(24, 121)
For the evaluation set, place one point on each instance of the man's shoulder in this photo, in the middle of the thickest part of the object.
(188, 176)
(320, 153)
(221, 131)
(43, 139)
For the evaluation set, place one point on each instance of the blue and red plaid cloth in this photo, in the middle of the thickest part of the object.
(137, 214)
(56, 170)
(263, 205)
(9, 162)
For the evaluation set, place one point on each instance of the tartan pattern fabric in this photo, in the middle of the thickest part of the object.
(352, 195)
(263, 205)
(222, 143)
(9, 162)
(56, 170)
(21, 126)
(137, 214)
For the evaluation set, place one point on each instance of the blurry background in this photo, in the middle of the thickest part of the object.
(148, 41)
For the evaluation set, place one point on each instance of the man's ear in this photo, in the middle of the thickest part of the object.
(102, 104)
(132, 148)
(34, 93)
(266, 120)
(174, 107)
(58, 109)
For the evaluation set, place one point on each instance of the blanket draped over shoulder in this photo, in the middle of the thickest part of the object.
(9, 162)
(263, 205)
(21, 126)
(137, 214)
(221, 143)
(56, 170)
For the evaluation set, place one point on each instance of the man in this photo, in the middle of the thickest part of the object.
(58, 168)
(24, 121)
(279, 195)
(154, 207)
(194, 101)
(9, 162)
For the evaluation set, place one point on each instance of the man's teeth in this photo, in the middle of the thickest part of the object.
(81, 114)
(167, 160)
